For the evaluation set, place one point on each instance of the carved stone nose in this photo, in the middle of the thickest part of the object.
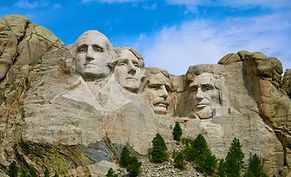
(164, 92)
(90, 54)
(131, 69)
(199, 94)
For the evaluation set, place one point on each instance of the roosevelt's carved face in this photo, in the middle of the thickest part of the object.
(205, 95)
(157, 92)
(93, 55)
(128, 71)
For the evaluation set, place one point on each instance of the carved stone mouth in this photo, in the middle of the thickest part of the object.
(201, 105)
(161, 104)
(131, 78)
(90, 64)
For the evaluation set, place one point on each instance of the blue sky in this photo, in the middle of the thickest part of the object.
(170, 34)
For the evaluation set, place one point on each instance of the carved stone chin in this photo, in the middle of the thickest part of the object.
(205, 113)
(160, 109)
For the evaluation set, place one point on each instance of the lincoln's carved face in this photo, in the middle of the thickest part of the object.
(93, 55)
(205, 95)
(157, 91)
(128, 71)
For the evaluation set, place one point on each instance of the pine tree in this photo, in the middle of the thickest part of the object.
(125, 157)
(177, 132)
(196, 147)
(13, 169)
(221, 168)
(255, 167)
(111, 173)
(133, 167)
(200, 153)
(130, 162)
(179, 160)
(206, 162)
(158, 153)
(234, 159)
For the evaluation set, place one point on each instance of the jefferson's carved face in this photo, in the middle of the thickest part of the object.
(128, 71)
(205, 94)
(157, 92)
(92, 55)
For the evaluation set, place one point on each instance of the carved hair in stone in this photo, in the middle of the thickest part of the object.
(156, 87)
(205, 92)
(94, 55)
(129, 69)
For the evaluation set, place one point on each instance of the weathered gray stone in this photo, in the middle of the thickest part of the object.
(286, 83)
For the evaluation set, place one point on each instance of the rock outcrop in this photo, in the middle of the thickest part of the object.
(58, 112)
(22, 44)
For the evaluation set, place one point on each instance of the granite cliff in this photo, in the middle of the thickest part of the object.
(71, 109)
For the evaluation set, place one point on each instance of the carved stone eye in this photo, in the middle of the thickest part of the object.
(155, 86)
(97, 48)
(82, 49)
(136, 65)
(122, 63)
(207, 87)
(194, 88)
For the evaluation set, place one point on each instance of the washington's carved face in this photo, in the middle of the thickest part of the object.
(92, 55)
(205, 94)
(157, 92)
(128, 71)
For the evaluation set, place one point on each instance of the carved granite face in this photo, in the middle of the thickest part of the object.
(94, 53)
(205, 95)
(128, 71)
(157, 92)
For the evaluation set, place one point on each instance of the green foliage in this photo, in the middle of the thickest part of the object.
(159, 152)
(130, 162)
(234, 159)
(24, 174)
(46, 172)
(221, 168)
(179, 160)
(255, 168)
(197, 151)
(177, 132)
(111, 173)
(206, 162)
(125, 157)
(13, 169)
(32, 171)
(133, 167)
(200, 153)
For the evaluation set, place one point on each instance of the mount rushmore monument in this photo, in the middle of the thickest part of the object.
(73, 108)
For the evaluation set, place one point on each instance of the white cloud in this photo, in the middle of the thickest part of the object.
(110, 1)
(231, 3)
(27, 4)
(205, 42)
